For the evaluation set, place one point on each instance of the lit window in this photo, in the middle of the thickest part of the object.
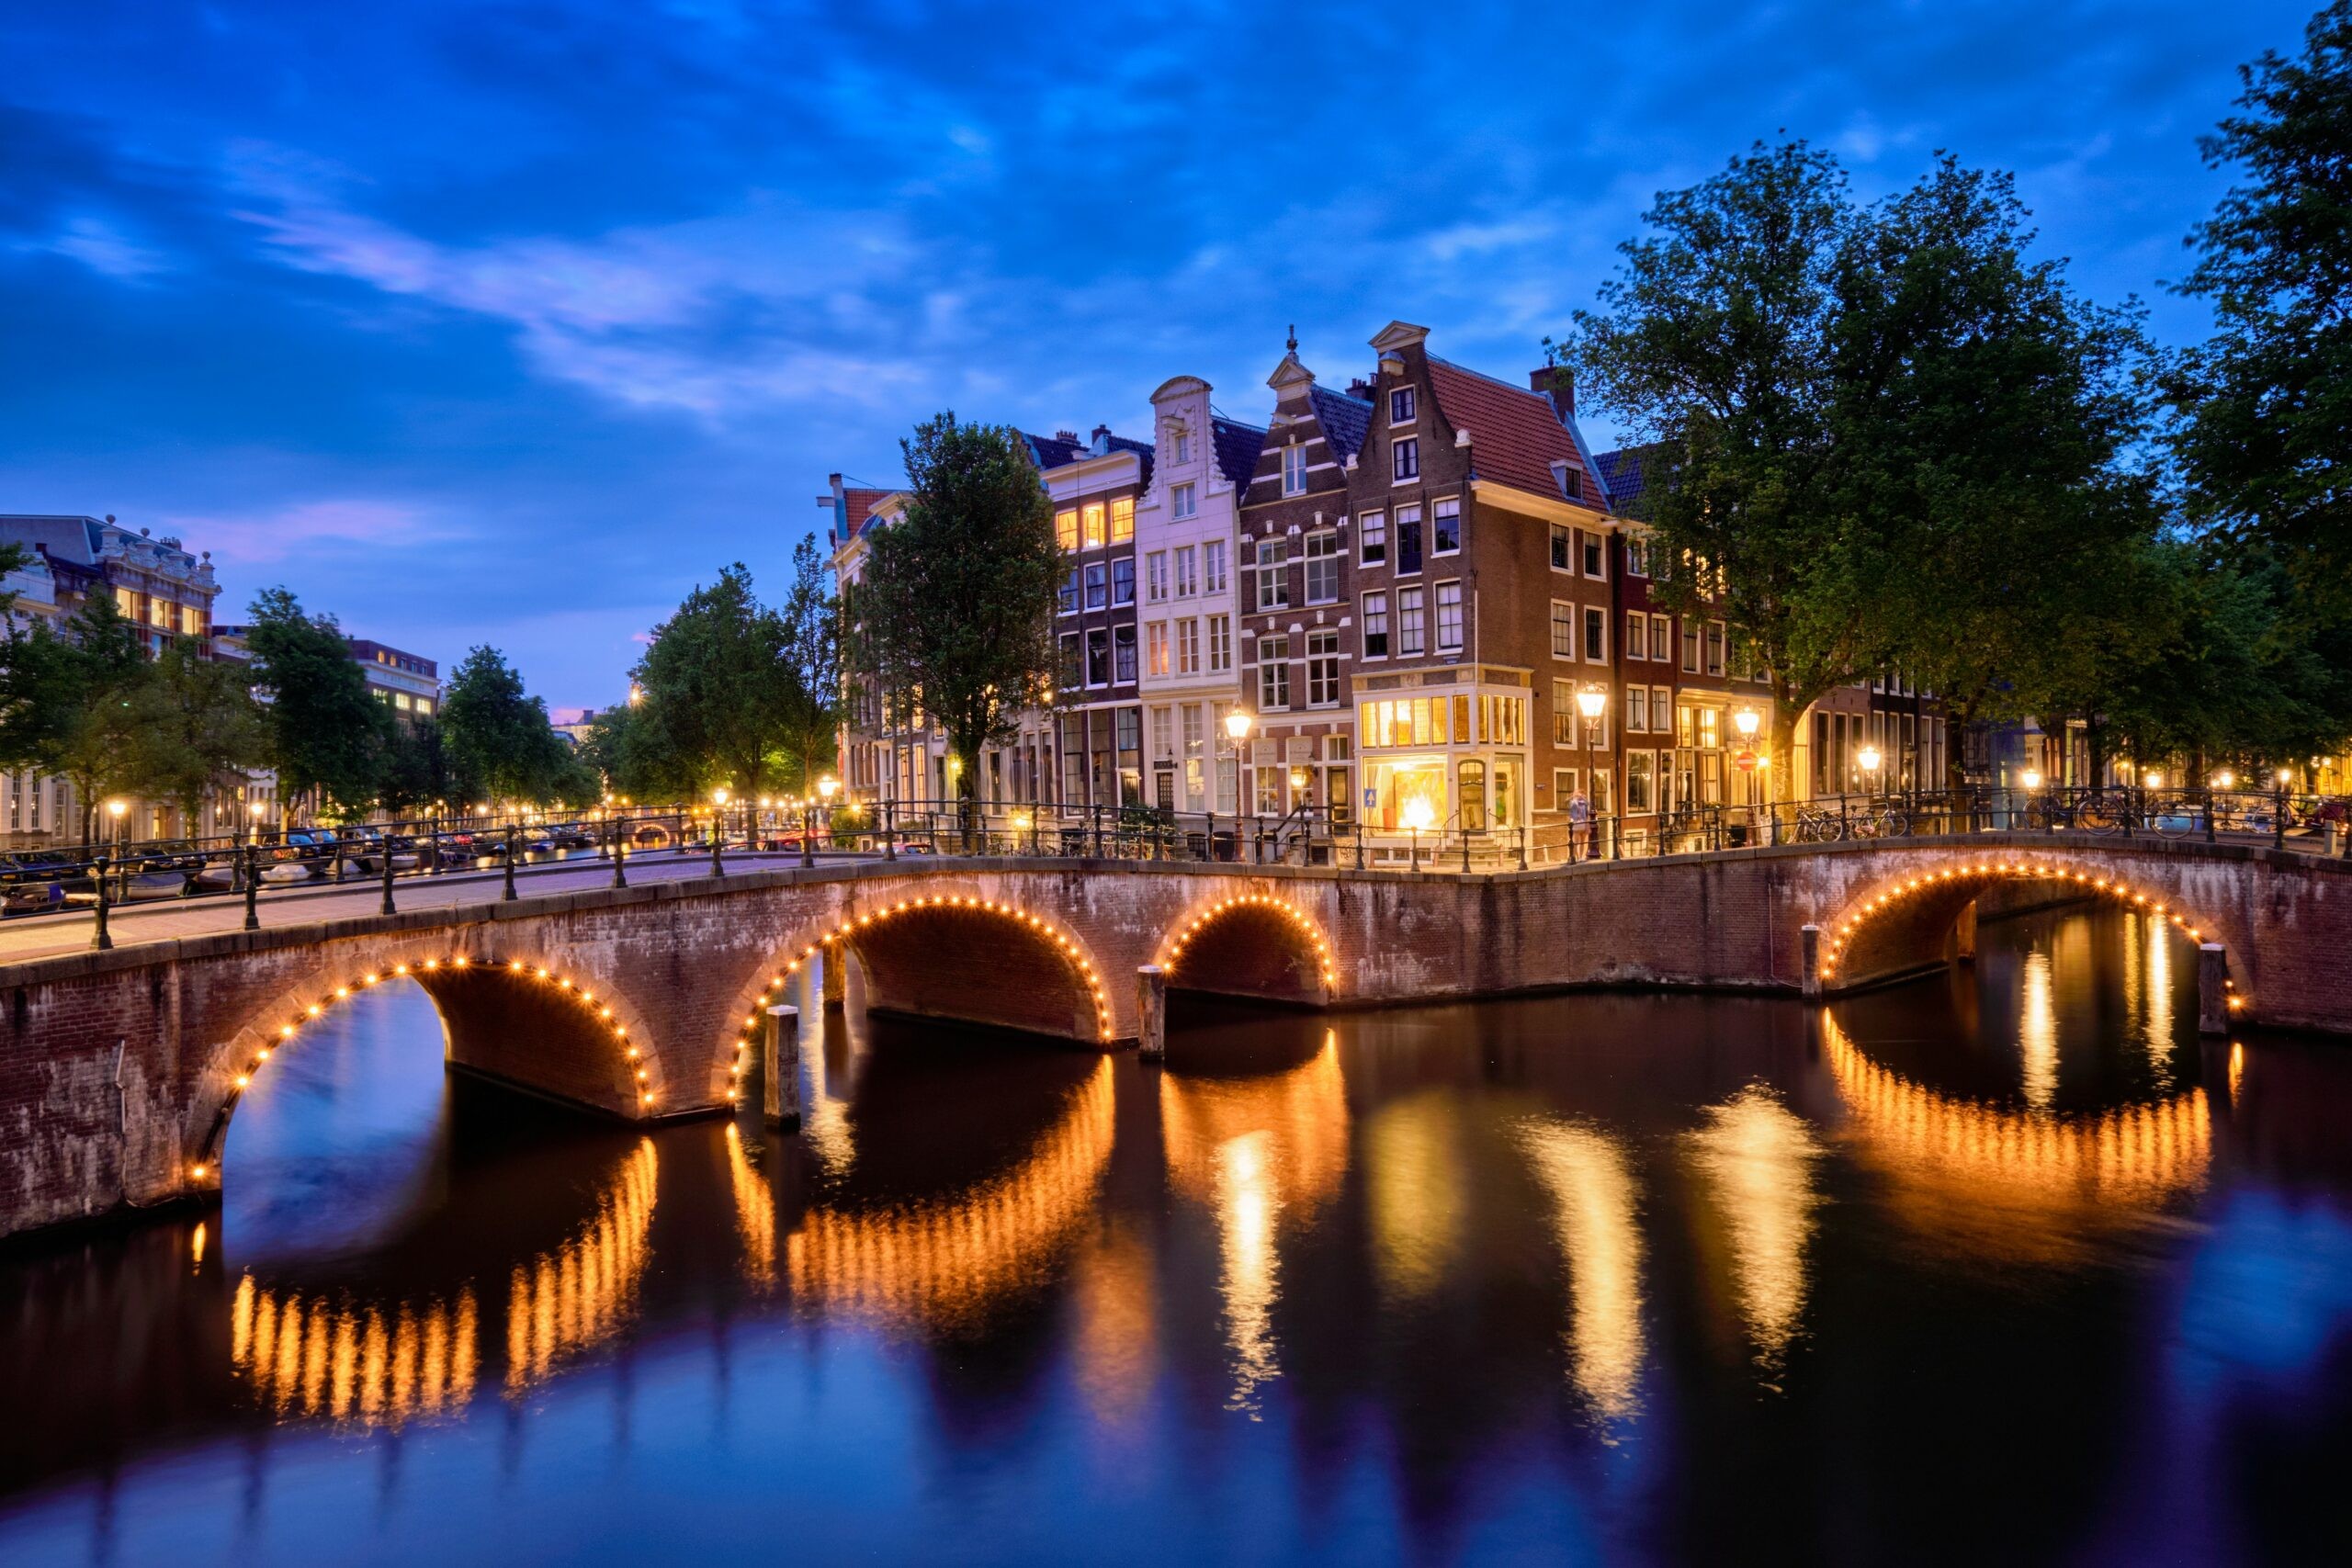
(1123, 520)
(1093, 523)
(1154, 649)
(1066, 528)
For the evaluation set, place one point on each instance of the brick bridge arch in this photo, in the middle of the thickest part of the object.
(1263, 946)
(528, 1018)
(1921, 914)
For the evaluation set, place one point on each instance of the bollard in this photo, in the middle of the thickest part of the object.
(1809, 955)
(509, 894)
(620, 857)
(385, 842)
(252, 887)
(717, 840)
(2212, 988)
(780, 1098)
(101, 940)
(1151, 1012)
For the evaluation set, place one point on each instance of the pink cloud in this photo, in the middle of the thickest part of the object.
(264, 539)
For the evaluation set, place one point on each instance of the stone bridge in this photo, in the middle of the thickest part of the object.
(120, 1071)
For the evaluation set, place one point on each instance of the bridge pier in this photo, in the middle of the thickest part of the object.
(1809, 962)
(1963, 934)
(835, 976)
(2212, 988)
(780, 1098)
(1151, 1012)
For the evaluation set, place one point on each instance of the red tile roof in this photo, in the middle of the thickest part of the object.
(856, 506)
(1515, 433)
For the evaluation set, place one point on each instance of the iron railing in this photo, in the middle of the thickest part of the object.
(103, 877)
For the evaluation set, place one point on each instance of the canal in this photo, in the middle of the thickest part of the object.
(2000, 1265)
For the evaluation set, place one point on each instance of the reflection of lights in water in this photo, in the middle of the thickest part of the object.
(755, 1210)
(1414, 1169)
(375, 1365)
(2237, 1067)
(946, 1259)
(1112, 1349)
(1245, 1208)
(826, 1126)
(579, 1296)
(2038, 1033)
(1755, 1158)
(383, 1363)
(1590, 1183)
(2008, 1178)
(2157, 1030)
(1259, 1153)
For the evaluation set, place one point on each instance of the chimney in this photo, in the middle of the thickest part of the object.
(1069, 435)
(1558, 383)
(1360, 389)
(1102, 439)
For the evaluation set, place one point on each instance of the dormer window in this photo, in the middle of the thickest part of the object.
(1400, 406)
(1295, 470)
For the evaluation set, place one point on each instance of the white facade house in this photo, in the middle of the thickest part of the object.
(1186, 532)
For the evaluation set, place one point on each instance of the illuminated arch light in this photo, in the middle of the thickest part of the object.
(242, 1080)
(1299, 919)
(773, 991)
(1841, 929)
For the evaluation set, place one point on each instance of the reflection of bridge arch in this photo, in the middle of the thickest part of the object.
(388, 1362)
(1881, 928)
(1222, 946)
(617, 1072)
(945, 1261)
(1959, 1158)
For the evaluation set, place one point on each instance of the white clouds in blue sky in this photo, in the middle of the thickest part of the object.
(586, 300)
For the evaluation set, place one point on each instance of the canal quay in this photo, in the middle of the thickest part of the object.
(2007, 1261)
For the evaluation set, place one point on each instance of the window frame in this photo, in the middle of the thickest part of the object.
(1367, 615)
(1371, 537)
(1405, 460)
(1327, 559)
(1411, 404)
(1438, 601)
(1273, 673)
(1439, 516)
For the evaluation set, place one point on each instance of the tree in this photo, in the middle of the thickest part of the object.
(1852, 413)
(812, 655)
(500, 744)
(67, 702)
(956, 609)
(193, 728)
(719, 692)
(2263, 425)
(326, 733)
(417, 776)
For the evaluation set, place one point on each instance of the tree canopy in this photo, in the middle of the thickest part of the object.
(499, 744)
(1875, 435)
(719, 696)
(326, 734)
(954, 610)
(2263, 426)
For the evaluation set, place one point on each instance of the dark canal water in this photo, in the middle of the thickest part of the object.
(2001, 1268)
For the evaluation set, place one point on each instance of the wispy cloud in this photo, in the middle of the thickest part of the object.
(307, 529)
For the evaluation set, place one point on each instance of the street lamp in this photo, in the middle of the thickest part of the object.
(1868, 757)
(115, 809)
(2031, 778)
(1237, 726)
(1746, 721)
(2155, 780)
(2226, 780)
(636, 695)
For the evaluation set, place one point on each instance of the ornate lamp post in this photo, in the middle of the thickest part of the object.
(1592, 701)
(718, 829)
(1869, 760)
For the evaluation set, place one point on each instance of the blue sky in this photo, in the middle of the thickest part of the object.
(509, 324)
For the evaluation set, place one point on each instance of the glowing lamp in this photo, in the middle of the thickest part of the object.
(1237, 724)
(2031, 778)
(1418, 815)
(1868, 757)
(1590, 701)
(1746, 721)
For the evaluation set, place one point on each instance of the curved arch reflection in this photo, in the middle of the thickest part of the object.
(1956, 1160)
(330, 1353)
(943, 1260)
(1257, 1152)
